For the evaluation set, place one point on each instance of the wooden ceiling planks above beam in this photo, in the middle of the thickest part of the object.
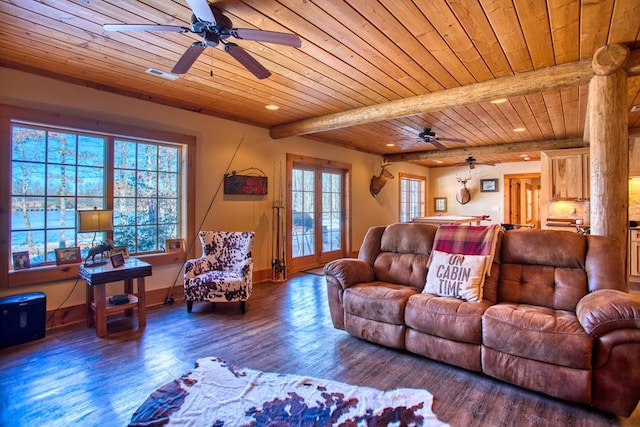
(557, 77)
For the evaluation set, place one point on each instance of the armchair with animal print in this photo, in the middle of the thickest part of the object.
(224, 271)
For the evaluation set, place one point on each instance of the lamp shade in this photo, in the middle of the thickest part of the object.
(95, 220)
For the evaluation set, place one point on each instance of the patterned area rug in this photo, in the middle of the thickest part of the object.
(217, 393)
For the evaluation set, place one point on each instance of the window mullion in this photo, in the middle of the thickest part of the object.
(109, 176)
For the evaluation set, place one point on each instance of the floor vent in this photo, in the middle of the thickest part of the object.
(162, 74)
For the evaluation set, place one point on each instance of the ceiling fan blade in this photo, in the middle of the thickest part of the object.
(438, 145)
(248, 61)
(188, 58)
(143, 27)
(202, 10)
(286, 39)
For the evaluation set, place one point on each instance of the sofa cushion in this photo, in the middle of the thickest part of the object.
(543, 267)
(459, 276)
(544, 247)
(380, 301)
(446, 317)
(546, 286)
(404, 253)
(537, 333)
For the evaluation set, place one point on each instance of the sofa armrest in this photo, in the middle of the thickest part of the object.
(195, 267)
(606, 310)
(349, 271)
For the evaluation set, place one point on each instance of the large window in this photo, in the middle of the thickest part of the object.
(146, 195)
(412, 197)
(54, 173)
(55, 170)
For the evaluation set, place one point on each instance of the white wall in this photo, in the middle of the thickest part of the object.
(443, 183)
(217, 139)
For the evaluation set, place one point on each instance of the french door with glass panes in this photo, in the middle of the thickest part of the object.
(316, 216)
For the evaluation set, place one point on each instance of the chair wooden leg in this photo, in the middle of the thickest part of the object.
(189, 306)
(243, 305)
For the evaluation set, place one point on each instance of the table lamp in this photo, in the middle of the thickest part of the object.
(96, 220)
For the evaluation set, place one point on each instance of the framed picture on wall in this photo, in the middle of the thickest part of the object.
(440, 204)
(488, 185)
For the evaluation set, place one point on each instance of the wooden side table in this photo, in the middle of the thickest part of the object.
(98, 305)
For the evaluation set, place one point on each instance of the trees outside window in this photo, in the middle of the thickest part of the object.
(55, 172)
(412, 196)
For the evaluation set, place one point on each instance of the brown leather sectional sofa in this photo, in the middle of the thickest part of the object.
(556, 316)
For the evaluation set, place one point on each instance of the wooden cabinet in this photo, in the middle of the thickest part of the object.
(634, 157)
(567, 173)
(634, 253)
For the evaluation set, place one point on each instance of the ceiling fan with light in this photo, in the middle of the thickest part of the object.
(427, 135)
(215, 28)
(472, 162)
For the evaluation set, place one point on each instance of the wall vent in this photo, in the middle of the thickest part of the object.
(162, 74)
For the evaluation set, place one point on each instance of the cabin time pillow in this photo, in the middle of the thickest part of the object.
(456, 275)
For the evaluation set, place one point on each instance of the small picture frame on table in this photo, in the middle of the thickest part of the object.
(21, 260)
(124, 250)
(440, 204)
(488, 185)
(68, 256)
(117, 260)
(174, 245)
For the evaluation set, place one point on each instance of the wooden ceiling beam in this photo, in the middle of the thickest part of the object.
(486, 150)
(551, 78)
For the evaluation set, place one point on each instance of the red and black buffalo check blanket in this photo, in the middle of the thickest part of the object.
(467, 240)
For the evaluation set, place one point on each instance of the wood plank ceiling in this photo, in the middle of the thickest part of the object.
(354, 53)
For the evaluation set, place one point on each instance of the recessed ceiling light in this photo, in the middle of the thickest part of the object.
(272, 107)
(438, 161)
(499, 101)
(391, 145)
(519, 129)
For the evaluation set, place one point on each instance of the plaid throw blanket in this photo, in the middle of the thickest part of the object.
(467, 240)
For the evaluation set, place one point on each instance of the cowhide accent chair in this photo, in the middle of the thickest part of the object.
(223, 272)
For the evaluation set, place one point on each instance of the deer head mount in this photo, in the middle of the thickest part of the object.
(463, 196)
(377, 182)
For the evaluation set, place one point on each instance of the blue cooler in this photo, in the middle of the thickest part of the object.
(22, 318)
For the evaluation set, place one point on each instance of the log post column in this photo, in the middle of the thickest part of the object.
(609, 144)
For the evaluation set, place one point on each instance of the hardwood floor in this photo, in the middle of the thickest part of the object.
(71, 377)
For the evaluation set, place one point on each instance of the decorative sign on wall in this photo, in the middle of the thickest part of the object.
(245, 184)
